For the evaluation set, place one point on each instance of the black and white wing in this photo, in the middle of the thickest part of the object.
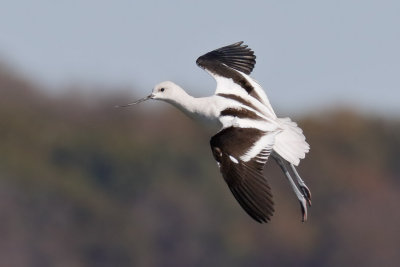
(229, 62)
(230, 66)
(241, 154)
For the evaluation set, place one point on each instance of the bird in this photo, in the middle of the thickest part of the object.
(250, 130)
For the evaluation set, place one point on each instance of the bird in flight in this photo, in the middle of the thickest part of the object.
(250, 130)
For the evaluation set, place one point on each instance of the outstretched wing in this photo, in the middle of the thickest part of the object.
(230, 66)
(241, 154)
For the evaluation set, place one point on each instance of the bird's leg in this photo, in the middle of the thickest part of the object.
(302, 185)
(300, 196)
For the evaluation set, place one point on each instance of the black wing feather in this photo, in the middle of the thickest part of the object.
(236, 56)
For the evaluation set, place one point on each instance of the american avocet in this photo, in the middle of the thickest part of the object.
(250, 133)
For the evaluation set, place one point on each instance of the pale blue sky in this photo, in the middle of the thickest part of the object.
(310, 54)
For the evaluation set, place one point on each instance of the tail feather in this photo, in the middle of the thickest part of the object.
(291, 143)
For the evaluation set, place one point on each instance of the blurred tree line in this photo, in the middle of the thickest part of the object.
(85, 184)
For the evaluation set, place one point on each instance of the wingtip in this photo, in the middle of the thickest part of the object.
(239, 43)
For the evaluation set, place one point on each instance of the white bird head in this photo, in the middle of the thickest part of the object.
(166, 91)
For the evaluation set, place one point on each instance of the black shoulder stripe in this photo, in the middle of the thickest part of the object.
(240, 100)
(240, 113)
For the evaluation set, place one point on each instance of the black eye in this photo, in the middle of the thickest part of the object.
(162, 89)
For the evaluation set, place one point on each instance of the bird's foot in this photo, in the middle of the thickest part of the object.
(303, 206)
(306, 193)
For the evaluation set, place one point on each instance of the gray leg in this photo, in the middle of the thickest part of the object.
(300, 196)
(302, 185)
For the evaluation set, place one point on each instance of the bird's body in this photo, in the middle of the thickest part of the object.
(250, 130)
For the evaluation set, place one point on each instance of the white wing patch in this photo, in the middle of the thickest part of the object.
(227, 85)
(265, 143)
(249, 123)
(233, 159)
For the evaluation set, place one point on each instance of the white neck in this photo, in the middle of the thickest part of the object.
(181, 100)
(194, 107)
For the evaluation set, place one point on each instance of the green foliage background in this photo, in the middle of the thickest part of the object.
(84, 184)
